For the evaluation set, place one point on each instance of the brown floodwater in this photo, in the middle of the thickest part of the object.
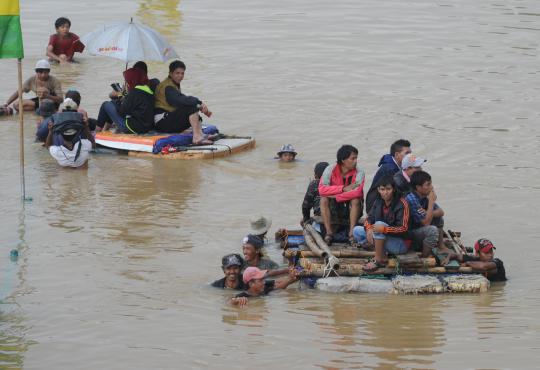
(115, 260)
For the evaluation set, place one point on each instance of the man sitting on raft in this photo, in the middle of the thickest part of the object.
(176, 112)
(342, 185)
(386, 225)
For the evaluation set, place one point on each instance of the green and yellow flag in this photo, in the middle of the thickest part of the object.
(11, 44)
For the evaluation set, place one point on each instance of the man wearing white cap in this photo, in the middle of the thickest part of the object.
(42, 84)
(409, 165)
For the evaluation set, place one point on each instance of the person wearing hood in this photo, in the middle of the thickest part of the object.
(136, 112)
(388, 165)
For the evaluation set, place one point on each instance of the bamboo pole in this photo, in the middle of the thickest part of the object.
(310, 242)
(21, 130)
(332, 260)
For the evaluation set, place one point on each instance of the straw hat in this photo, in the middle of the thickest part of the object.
(260, 225)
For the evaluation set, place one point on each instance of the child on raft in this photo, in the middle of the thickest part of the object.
(63, 44)
(287, 153)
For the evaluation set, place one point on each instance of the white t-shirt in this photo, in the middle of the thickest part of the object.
(65, 157)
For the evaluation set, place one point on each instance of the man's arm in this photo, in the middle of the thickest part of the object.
(354, 190)
(12, 98)
(326, 189)
(176, 99)
(432, 197)
(284, 283)
(88, 134)
(48, 140)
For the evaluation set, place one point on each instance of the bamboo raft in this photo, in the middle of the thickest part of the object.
(340, 267)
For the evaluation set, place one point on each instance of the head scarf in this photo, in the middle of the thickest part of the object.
(134, 77)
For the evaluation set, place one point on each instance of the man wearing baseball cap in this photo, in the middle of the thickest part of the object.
(231, 264)
(43, 85)
(483, 260)
(256, 285)
(409, 165)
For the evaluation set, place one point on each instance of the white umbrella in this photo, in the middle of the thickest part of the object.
(129, 42)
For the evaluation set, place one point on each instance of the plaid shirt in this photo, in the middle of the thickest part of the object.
(418, 208)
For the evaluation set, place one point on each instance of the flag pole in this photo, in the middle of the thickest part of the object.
(21, 130)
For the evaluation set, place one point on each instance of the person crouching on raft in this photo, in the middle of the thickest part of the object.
(256, 285)
(387, 224)
(231, 264)
(176, 112)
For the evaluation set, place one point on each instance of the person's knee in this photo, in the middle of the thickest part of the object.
(432, 235)
(381, 223)
(324, 201)
(359, 233)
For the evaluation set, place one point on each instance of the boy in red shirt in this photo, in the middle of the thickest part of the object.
(63, 44)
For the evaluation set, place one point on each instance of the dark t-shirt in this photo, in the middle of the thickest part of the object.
(221, 284)
(269, 285)
(500, 275)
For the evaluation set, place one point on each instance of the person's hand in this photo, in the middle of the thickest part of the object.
(50, 125)
(240, 301)
(42, 93)
(369, 236)
(348, 188)
(432, 196)
(204, 109)
(378, 228)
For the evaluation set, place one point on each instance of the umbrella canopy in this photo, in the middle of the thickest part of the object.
(129, 42)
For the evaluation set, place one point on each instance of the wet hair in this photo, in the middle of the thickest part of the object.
(175, 65)
(419, 178)
(142, 66)
(398, 145)
(74, 95)
(345, 152)
(61, 21)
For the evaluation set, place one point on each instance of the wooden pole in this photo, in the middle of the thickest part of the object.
(21, 130)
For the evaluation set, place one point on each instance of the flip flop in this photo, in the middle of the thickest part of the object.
(372, 266)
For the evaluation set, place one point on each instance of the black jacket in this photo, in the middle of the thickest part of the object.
(403, 186)
(397, 217)
(138, 108)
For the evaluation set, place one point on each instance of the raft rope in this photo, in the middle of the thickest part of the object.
(328, 270)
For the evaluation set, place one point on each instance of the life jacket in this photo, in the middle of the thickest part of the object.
(161, 99)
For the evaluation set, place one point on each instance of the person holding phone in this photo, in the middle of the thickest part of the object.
(135, 112)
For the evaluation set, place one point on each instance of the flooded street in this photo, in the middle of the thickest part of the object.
(115, 260)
